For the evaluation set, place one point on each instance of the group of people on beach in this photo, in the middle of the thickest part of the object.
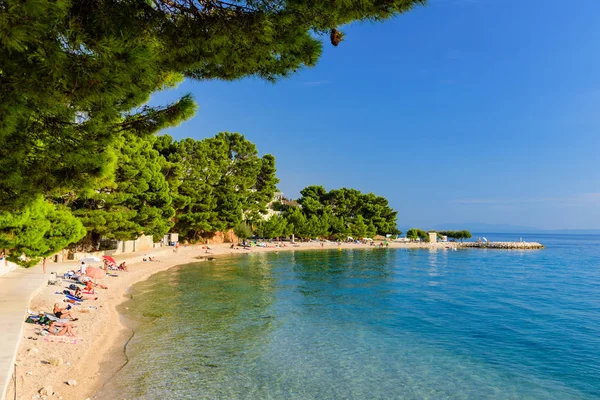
(82, 287)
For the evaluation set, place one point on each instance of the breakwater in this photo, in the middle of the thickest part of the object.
(503, 245)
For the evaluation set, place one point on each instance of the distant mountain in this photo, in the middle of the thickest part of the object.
(507, 228)
(487, 228)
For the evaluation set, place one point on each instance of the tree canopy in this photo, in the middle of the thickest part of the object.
(220, 182)
(458, 235)
(137, 200)
(76, 130)
(74, 75)
(340, 213)
(417, 234)
(38, 230)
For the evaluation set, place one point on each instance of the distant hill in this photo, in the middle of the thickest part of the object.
(491, 228)
(480, 227)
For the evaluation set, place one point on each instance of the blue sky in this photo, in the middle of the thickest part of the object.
(460, 111)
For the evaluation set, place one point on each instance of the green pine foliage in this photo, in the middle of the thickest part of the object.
(341, 213)
(218, 182)
(457, 235)
(74, 75)
(136, 201)
(417, 234)
(274, 227)
(38, 230)
(75, 127)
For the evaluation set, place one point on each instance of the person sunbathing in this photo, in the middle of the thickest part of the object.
(61, 329)
(88, 288)
(62, 312)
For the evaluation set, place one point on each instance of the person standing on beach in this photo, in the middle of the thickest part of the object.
(44, 265)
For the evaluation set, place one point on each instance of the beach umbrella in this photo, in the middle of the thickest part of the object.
(95, 273)
(109, 259)
(90, 260)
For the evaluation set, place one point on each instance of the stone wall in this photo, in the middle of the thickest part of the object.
(123, 247)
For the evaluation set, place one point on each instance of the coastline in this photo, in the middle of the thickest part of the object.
(94, 359)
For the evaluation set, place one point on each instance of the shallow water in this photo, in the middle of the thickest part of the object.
(370, 324)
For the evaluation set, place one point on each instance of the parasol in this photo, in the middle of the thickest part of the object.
(90, 260)
(110, 259)
(95, 273)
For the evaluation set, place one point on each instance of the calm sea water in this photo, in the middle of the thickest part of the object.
(371, 324)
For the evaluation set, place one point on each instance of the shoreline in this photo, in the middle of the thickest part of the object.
(94, 359)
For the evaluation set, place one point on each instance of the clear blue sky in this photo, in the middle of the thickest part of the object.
(460, 111)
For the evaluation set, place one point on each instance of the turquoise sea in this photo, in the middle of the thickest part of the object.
(371, 324)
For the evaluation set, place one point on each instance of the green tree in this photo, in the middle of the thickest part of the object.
(219, 181)
(348, 211)
(272, 228)
(264, 188)
(136, 201)
(465, 234)
(298, 223)
(38, 230)
(243, 230)
(69, 71)
(358, 228)
(457, 235)
(415, 234)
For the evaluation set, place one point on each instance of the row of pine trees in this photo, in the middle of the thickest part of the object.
(155, 185)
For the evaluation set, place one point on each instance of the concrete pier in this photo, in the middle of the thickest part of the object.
(503, 245)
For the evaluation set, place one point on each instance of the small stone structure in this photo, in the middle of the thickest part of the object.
(432, 237)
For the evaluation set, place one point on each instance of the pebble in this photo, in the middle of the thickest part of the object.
(46, 391)
(29, 373)
(56, 361)
(72, 382)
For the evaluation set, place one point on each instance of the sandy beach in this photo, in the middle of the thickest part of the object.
(93, 357)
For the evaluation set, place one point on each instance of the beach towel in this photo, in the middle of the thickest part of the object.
(71, 297)
(53, 317)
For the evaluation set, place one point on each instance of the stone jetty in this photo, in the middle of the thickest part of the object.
(503, 245)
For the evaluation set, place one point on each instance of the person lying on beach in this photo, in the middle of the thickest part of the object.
(77, 293)
(62, 312)
(89, 289)
(74, 293)
(61, 329)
